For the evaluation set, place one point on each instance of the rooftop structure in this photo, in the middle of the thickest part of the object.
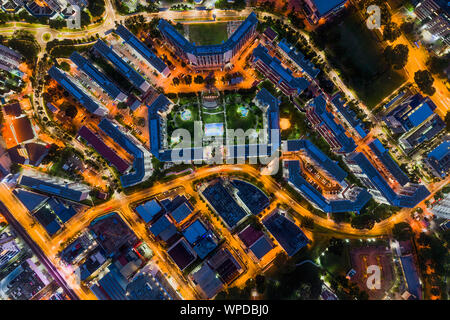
(324, 122)
(195, 232)
(112, 233)
(54, 185)
(256, 241)
(182, 254)
(207, 280)
(87, 101)
(8, 249)
(410, 114)
(142, 165)
(317, 9)
(148, 210)
(224, 204)
(252, 197)
(110, 286)
(75, 251)
(318, 157)
(349, 116)
(121, 66)
(145, 286)
(298, 59)
(409, 141)
(289, 236)
(408, 196)
(9, 59)
(442, 208)
(282, 77)
(143, 50)
(383, 154)
(31, 200)
(12, 109)
(106, 152)
(206, 245)
(225, 265)
(352, 200)
(439, 159)
(22, 129)
(98, 77)
(213, 56)
(30, 154)
(411, 276)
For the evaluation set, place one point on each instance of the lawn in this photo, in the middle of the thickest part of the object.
(253, 120)
(354, 51)
(212, 117)
(174, 120)
(208, 33)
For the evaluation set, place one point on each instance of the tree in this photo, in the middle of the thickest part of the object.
(402, 231)
(64, 66)
(391, 31)
(199, 79)
(175, 81)
(397, 56)
(424, 81)
(363, 221)
(407, 28)
(447, 120)
(438, 65)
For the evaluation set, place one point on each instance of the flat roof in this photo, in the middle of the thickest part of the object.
(23, 131)
(106, 152)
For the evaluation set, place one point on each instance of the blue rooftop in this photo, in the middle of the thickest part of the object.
(412, 278)
(299, 58)
(140, 47)
(262, 53)
(62, 79)
(30, 200)
(320, 107)
(159, 226)
(383, 154)
(408, 197)
(148, 210)
(221, 200)
(169, 31)
(195, 232)
(181, 212)
(289, 236)
(326, 6)
(125, 69)
(47, 187)
(261, 247)
(101, 79)
(139, 162)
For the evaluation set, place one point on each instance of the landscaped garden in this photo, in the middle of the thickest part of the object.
(208, 33)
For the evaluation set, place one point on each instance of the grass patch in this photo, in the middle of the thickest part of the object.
(253, 120)
(208, 33)
(353, 50)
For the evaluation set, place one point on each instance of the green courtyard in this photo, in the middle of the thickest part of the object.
(208, 33)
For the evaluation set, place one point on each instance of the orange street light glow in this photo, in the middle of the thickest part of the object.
(285, 124)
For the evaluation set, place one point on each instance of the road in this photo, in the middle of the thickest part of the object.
(417, 60)
(37, 251)
(49, 247)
